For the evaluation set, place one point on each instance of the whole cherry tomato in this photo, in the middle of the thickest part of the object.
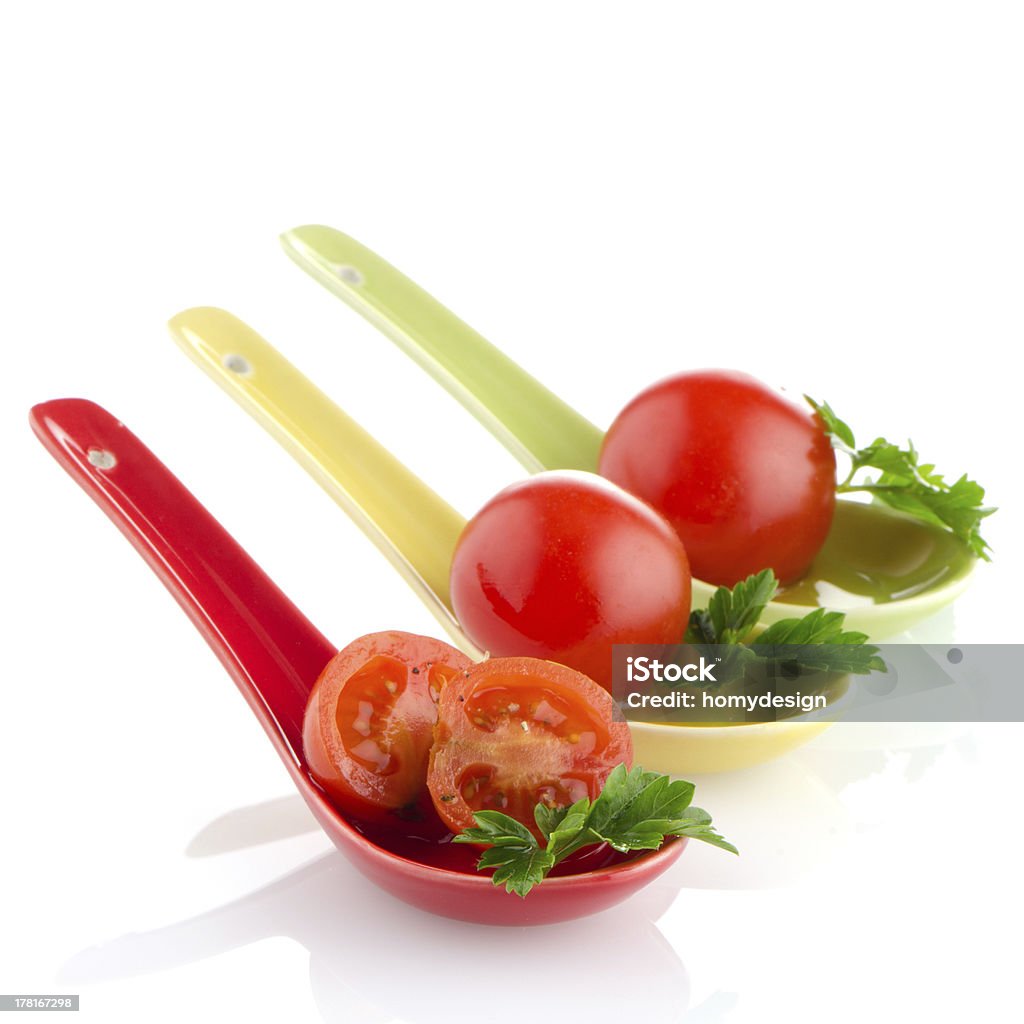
(746, 477)
(564, 565)
(370, 718)
(515, 732)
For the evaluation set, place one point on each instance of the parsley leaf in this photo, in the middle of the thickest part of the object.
(635, 810)
(908, 485)
(817, 642)
(514, 852)
(728, 620)
(732, 614)
(571, 823)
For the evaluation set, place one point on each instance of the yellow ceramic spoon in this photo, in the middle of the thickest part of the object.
(414, 527)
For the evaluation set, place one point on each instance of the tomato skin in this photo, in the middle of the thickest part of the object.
(484, 758)
(369, 720)
(563, 565)
(746, 477)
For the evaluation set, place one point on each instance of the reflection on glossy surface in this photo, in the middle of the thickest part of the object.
(374, 958)
(793, 819)
(874, 555)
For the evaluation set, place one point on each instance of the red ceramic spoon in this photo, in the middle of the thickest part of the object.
(274, 654)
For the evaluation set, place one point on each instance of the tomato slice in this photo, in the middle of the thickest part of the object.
(369, 722)
(515, 732)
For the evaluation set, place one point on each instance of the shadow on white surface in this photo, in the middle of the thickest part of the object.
(373, 958)
(254, 825)
(789, 817)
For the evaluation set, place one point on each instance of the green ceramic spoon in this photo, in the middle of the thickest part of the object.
(532, 422)
(886, 570)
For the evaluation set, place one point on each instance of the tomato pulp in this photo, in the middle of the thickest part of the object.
(370, 717)
(746, 477)
(563, 565)
(515, 732)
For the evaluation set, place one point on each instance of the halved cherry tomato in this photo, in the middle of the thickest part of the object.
(746, 477)
(564, 565)
(370, 719)
(515, 732)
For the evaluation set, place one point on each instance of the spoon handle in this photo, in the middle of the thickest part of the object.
(414, 528)
(532, 422)
(271, 650)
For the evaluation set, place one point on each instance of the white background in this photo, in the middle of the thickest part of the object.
(828, 196)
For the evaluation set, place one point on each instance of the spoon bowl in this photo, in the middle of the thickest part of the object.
(274, 655)
(886, 571)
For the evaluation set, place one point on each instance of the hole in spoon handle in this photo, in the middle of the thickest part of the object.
(540, 430)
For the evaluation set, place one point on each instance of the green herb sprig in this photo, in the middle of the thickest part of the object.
(907, 484)
(635, 810)
(816, 642)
